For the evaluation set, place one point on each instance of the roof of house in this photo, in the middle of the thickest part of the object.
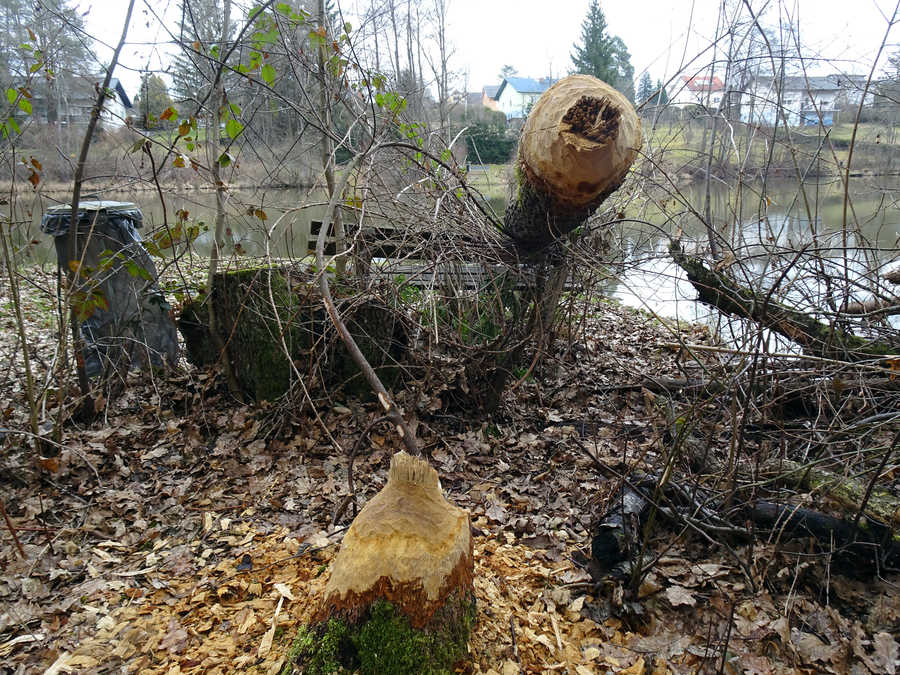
(490, 90)
(703, 83)
(525, 85)
(117, 87)
(818, 82)
(473, 98)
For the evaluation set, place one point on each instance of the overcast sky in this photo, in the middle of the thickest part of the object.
(536, 36)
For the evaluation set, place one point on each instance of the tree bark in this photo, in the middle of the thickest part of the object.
(615, 546)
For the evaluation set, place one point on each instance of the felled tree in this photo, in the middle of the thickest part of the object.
(576, 148)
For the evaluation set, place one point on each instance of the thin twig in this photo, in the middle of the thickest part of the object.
(392, 412)
(12, 530)
(515, 647)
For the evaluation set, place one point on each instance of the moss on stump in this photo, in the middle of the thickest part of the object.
(246, 303)
(400, 598)
(383, 643)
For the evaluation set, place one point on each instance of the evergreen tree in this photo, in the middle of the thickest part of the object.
(193, 70)
(506, 71)
(645, 88)
(152, 100)
(64, 52)
(602, 55)
(662, 97)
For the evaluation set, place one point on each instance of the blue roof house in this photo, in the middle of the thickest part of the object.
(517, 95)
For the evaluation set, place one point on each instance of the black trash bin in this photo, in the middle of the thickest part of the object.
(126, 318)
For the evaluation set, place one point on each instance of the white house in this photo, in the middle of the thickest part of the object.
(801, 100)
(517, 95)
(697, 90)
(117, 107)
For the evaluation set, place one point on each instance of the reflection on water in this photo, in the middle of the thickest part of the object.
(788, 235)
(776, 240)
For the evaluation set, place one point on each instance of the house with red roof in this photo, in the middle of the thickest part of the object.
(702, 90)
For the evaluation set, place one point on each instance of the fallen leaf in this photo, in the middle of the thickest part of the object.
(679, 595)
(886, 652)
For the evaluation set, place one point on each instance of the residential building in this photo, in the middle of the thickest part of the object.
(697, 90)
(489, 96)
(71, 102)
(800, 100)
(516, 95)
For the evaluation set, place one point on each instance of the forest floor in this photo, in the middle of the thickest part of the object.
(185, 532)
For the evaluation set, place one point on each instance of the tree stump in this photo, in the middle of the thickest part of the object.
(400, 598)
(580, 139)
(576, 148)
(252, 334)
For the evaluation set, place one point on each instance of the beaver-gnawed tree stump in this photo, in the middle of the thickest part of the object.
(576, 147)
(575, 150)
(400, 598)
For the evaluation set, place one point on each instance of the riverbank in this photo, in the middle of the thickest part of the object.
(688, 149)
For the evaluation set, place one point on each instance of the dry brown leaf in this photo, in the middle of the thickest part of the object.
(636, 668)
(886, 653)
(679, 595)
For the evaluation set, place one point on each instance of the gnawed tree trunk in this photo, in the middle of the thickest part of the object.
(400, 598)
(575, 150)
(816, 338)
(577, 145)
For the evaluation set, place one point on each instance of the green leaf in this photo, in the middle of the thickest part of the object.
(224, 159)
(283, 8)
(268, 73)
(233, 128)
(25, 106)
(11, 95)
(235, 109)
(14, 125)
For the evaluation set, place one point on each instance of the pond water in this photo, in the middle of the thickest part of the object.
(777, 239)
(767, 232)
